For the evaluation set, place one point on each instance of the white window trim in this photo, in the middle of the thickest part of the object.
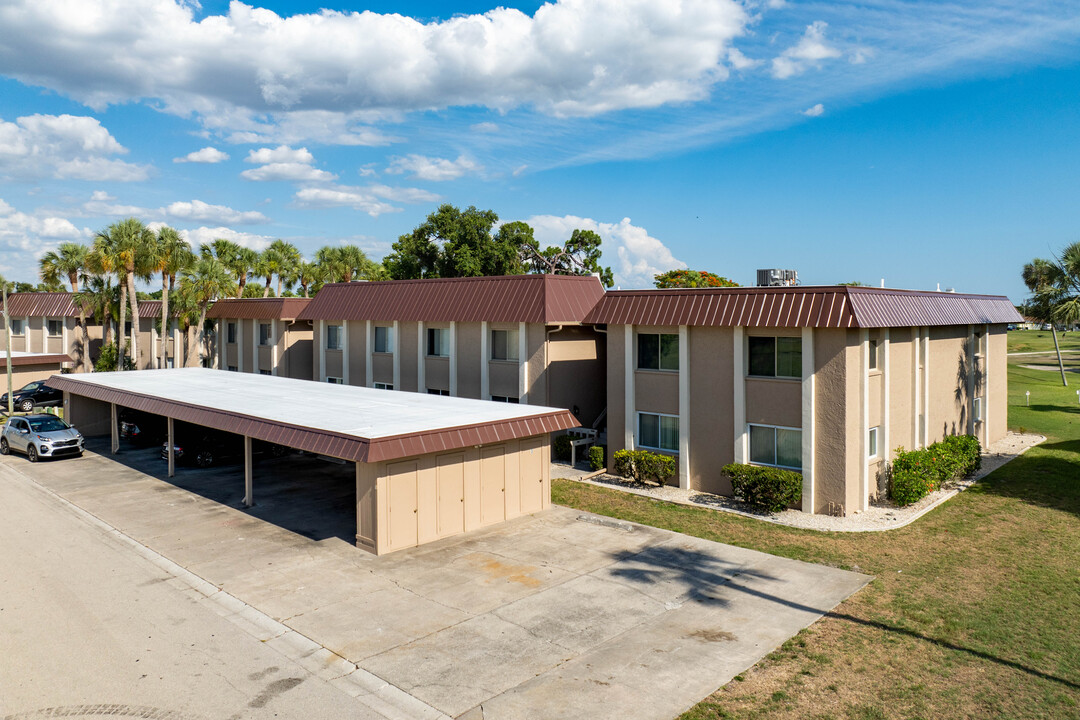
(637, 358)
(390, 344)
(977, 409)
(269, 336)
(771, 427)
(384, 386)
(783, 378)
(873, 443)
(49, 333)
(444, 340)
(335, 380)
(637, 431)
(341, 337)
(516, 346)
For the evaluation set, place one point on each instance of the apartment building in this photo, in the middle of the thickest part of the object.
(48, 323)
(828, 381)
(516, 339)
(264, 336)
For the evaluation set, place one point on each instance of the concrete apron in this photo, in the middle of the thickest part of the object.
(555, 615)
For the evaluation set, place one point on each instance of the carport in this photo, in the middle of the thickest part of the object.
(427, 467)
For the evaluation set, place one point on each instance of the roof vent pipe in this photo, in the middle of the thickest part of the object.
(883, 283)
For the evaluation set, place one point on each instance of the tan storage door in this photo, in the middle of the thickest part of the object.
(492, 485)
(451, 494)
(401, 526)
(532, 476)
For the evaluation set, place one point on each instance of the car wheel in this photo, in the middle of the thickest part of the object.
(31, 453)
(4, 449)
(204, 458)
(26, 405)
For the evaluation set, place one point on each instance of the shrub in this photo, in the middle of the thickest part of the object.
(642, 465)
(768, 488)
(106, 361)
(917, 473)
(596, 457)
(563, 446)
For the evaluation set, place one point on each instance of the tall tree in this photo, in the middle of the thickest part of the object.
(305, 275)
(171, 254)
(70, 260)
(580, 255)
(266, 267)
(691, 279)
(345, 263)
(288, 257)
(204, 282)
(457, 243)
(239, 260)
(124, 249)
(1055, 292)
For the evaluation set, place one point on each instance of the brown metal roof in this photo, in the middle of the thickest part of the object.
(258, 308)
(827, 307)
(510, 298)
(42, 304)
(35, 359)
(324, 442)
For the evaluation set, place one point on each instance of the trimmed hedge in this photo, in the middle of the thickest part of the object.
(642, 465)
(917, 473)
(596, 457)
(768, 488)
(563, 447)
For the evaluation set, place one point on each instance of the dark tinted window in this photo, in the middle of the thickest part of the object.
(48, 424)
(762, 356)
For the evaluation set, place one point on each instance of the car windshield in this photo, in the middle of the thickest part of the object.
(48, 424)
(30, 387)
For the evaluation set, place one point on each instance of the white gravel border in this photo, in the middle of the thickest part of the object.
(877, 518)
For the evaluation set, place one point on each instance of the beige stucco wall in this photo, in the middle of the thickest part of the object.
(576, 357)
(467, 338)
(294, 350)
(998, 383)
(949, 365)
(712, 429)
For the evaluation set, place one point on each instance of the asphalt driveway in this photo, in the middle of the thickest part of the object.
(555, 615)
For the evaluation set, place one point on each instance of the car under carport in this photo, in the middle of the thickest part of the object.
(427, 467)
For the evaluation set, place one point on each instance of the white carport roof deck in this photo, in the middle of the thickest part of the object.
(352, 423)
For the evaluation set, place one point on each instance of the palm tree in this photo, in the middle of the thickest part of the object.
(124, 248)
(267, 266)
(1055, 288)
(287, 257)
(171, 254)
(70, 260)
(345, 263)
(98, 297)
(305, 275)
(204, 282)
(238, 259)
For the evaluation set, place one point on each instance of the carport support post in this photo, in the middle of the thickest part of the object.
(114, 425)
(172, 452)
(249, 498)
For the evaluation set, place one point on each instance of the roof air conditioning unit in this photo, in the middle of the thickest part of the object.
(777, 278)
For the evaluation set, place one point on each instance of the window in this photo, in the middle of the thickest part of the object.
(657, 351)
(871, 443)
(18, 327)
(230, 333)
(777, 446)
(873, 358)
(55, 327)
(334, 380)
(660, 432)
(264, 333)
(438, 342)
(775, 357)
(505, 399)
(504, 345)
(976, 410)
(433, 391)
(384, 386)
(233, 368)
(384, 339)
(127, 329)
(333, 337)
(265, 372)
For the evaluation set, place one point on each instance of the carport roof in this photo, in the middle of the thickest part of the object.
(344, 421)
(19, 358)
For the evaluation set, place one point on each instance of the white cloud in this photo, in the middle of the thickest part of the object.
(570, 58)
(280, 154)
(811, 50)
(199, 211)
(815, 111)
(433, 169)
(288, 171)
(344, 196)
(367, 170)
(740, 61)
(102, 203)
(206, 235)
(634, 255)
(24, 237)
(484, 127)
(63, 147)
(208, 155)
(403, 194)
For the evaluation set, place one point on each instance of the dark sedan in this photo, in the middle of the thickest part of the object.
(31, 395)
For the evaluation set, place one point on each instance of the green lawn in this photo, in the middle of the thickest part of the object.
(1041, 340)
(975, 608)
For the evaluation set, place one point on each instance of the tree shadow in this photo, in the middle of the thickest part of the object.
(1048, 480)
(702, 577)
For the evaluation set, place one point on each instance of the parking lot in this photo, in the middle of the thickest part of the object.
(550, 615)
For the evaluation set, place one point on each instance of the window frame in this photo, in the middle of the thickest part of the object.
(340, 337)
(660, 432)
(48, 327)
(436, 391)
(268, 340)
(513, 340)
(230, 333)
(383, 386)
(506, 399)
(977, 409)
(233, 368)
(334, 380)
(659, 352)
(873, 436)
(18, 326)
(444, 342)
(265, 372)
(774, 464)
(775, 357)
(388, 339)
(873, 355)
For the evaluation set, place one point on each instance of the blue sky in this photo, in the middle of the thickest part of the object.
(922, 143)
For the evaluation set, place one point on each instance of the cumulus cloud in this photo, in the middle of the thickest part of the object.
(102, 203)
(63, 147)
(570, 58)
(288, 171)
(344, 196)
(208, 156)
(24, 237)
(484, 127)
(206, 235)
(634, 255)
(199, 211)
(810, 51)
(815, 111)
(280, 154)
(433, 169)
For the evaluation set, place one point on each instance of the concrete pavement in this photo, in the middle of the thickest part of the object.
(556, 615)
